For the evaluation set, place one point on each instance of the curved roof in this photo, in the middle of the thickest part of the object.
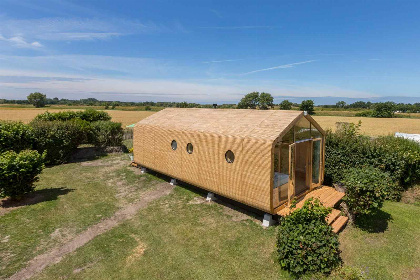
(244, 123)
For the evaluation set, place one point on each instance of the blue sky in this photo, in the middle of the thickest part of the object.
(209, 51)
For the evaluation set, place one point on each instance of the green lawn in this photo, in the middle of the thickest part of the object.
(178, 236)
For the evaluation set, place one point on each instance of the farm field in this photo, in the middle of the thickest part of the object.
(27, 114)
(373, 126)
(370, 126)
(177, 235)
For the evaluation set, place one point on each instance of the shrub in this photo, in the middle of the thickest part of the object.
(106, 133)
(15, 136)
(364, 114)
(346, 147)
(89, 115)
(399, 156)
(306, 243)
(59, 138)
(19, 171)
(366, 189)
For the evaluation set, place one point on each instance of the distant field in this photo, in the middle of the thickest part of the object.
(373, 126)
(370, 126)
(27, 114)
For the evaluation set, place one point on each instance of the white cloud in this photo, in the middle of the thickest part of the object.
(239, 27)
(291, 65)
(20, 42)
(220, 61)
(69, 29)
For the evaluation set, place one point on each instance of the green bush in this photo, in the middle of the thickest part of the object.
(106, 133)
(59, 138)
(19, 171)
(15, 136)
(306, 243)
(89, 115)
(364, 114)
(397, 156)
(366, 189)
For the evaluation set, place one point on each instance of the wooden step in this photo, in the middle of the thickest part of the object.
(332, 216)
(339, 223)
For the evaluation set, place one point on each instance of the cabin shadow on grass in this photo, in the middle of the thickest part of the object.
(375, 223)
(35, 197)
(241, 208)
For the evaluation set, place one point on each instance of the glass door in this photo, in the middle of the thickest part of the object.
(303, 166)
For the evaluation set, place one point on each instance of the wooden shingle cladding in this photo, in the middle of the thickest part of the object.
(249, 134)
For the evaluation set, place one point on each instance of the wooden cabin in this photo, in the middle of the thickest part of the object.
(262, 158)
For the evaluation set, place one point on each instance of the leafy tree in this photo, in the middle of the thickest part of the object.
(308, 106)
(286, 105)
(251, 101)
(384, 110)
(265, 101)
(37, 99)
(340, 104)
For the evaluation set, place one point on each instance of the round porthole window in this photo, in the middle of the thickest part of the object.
(174, 145)
(190, 148)
(230, 156)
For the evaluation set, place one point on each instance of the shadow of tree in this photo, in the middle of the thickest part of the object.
(83, 154)
(35, 197)
(374, 223)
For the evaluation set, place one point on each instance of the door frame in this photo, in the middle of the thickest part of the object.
(292, 168)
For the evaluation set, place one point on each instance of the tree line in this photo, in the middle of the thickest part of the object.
(252, 100)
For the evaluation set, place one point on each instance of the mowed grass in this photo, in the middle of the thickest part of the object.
(27, 114)
(178, 236)
(68, 199)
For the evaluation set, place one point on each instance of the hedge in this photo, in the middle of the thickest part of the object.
(19, 171)
(58, 138)
(306, 243)
(106, 133)
(347, 148)
(89, 115)
(15, 136)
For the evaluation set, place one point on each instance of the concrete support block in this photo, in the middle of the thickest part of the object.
(143, 170)
(173, 182)
(210, 197)
(268, 220)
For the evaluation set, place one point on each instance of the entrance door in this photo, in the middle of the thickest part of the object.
(303, 166)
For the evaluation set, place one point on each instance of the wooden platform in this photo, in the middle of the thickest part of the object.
(329, 197)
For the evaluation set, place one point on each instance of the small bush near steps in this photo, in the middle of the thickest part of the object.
(366, 189)
(306, 243)
(19, 171)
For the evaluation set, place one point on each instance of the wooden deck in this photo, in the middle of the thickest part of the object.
(329, 197)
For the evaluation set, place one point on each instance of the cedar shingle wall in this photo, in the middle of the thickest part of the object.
(247, 180)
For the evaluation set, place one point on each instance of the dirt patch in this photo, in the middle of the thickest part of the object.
(137, 252)
(413, 274)
(411, 196)
(40, 262)
(197, 200)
